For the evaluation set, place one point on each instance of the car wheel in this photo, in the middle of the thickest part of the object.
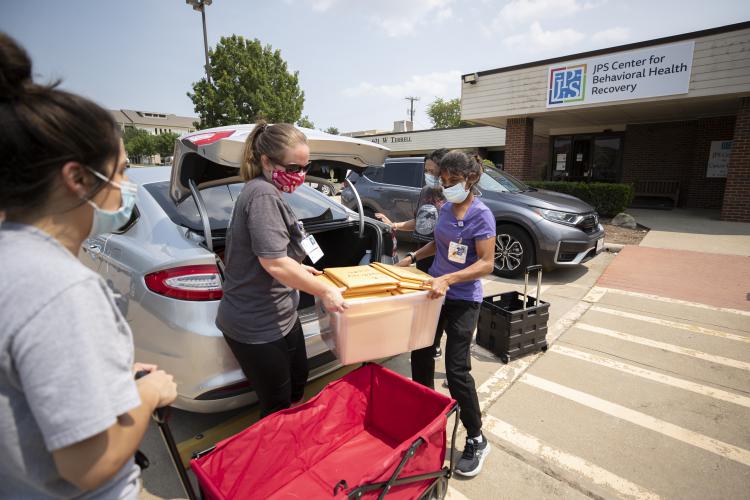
(326, 189)
(514, 251)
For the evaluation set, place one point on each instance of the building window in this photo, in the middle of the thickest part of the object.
(586, 158)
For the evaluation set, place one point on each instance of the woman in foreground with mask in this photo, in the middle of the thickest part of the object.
(464, 252)
(71, 415)
(264, 250)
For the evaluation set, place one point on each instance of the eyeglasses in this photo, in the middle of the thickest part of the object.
(292, 168)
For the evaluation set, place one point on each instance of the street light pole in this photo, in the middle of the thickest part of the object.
(201, 6)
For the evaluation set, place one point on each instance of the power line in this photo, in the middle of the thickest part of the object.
(411, 107)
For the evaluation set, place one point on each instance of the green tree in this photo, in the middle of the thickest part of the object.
(305, 122)
(332, 130)
(139, 143)
(445, 114)
(165, 143)
(250, 81)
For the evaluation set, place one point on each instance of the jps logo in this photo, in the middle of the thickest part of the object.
(567, 84)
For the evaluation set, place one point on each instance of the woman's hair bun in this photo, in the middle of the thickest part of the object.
(15, 68)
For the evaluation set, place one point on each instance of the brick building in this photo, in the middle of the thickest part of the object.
(670, 115)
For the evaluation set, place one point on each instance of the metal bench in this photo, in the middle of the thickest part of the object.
(657, 189)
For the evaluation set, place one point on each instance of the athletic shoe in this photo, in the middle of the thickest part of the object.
(473, 457)
(438, 353)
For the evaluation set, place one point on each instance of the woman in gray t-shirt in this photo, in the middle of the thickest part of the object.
(263, 256)
(71, 415)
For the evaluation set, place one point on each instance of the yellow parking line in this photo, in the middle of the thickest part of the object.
(213, 435)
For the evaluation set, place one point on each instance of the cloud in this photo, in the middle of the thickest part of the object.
(522, 12)
(397, 18)
(394, 18)
(321, 5)
(439, 84)
(611, 35)
(536, 39)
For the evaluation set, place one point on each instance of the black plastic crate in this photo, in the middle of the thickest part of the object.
(510, 330)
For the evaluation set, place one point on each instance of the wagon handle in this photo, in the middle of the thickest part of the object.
(161, 416)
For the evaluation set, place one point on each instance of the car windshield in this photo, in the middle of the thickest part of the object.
(308, 205)
(498, 181)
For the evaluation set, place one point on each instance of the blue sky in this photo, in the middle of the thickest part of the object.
(357, 59)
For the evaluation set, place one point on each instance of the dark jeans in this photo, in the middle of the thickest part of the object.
(424, 266)
(277, 370)
(459, 319)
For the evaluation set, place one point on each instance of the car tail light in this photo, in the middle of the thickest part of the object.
(187, 282)
(208, 137)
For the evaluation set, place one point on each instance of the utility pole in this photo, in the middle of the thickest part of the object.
(200, 5)
(411, 107)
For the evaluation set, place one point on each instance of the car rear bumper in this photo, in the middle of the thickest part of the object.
(191, 348)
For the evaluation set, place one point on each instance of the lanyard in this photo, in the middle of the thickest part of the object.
(460, 225)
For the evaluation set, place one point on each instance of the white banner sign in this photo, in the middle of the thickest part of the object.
(636, 74)
(718, 158)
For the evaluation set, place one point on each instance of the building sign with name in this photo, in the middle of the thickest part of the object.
(391, 139)
(718, 158)
(635, 74)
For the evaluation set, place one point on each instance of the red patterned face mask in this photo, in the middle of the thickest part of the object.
(286, 181)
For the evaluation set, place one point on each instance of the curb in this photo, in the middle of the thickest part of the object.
(613, 247)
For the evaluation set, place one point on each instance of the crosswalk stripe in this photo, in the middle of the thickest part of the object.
(598, 292)
(703, 390)
(693, 438)
(559, 458)
(671, 324)
(721, 360)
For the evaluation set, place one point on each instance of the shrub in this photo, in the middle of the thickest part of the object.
(608, 199)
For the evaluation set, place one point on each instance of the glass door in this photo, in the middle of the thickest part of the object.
(580, 161)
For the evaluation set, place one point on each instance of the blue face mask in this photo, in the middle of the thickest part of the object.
(432, 181)
(456, 193)
(106, 221)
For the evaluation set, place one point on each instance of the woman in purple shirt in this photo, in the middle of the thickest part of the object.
(464, 251)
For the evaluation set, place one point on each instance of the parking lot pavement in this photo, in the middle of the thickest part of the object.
(643, 397)
(507, 475)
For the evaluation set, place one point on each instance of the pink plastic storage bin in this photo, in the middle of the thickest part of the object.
(378, 328)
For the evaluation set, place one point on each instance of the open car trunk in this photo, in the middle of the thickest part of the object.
(341, 247)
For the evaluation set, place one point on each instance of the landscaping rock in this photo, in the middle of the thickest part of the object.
(624, 220)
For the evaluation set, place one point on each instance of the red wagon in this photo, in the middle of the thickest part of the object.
(368, 434)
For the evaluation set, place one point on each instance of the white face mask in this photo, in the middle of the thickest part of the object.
(432, 181)
(456, 193)
(107, 221)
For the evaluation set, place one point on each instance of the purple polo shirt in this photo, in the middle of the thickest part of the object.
(478, 224)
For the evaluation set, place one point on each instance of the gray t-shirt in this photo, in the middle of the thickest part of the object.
(256, 308)
(66, 356)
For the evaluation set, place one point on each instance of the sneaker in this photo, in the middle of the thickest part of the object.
(438, 353)
(473, 457)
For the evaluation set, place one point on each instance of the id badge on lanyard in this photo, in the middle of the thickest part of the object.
(310, 245)
(457, 251)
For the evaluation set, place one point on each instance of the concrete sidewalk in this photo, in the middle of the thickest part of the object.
(693, 230)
